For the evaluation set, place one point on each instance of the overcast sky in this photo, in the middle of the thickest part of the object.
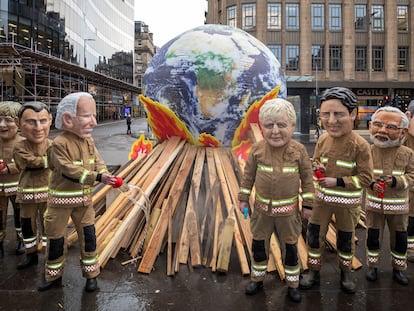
(167, 19)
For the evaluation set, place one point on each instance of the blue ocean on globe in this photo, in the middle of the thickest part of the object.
(210, 75)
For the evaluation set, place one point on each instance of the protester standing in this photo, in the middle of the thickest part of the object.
(344, 159)
(76, 166)
(30, 155)
(9, 173)
(409, 142)
(277, 167)
(387, 197)
(128, 122)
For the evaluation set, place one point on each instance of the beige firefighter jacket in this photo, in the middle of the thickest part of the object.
(75, 164)
(278, 174)
(409, 142)
(347, 157)
(31, 160)
(9, 181)
(399, 163)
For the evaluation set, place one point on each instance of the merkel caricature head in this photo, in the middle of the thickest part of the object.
(76, 113)
(8, 119)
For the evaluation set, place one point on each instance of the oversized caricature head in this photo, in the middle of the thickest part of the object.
(76, 113)
(35, 120)
(8, 119)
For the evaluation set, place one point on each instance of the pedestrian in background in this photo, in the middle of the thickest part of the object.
(76, 166)
(409, 142)
(387, 197)
(278, 167)
(9, 173)
(30, 156)
(128, 122)
(344, 159)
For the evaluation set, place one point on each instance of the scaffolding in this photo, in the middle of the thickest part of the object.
(30, 75)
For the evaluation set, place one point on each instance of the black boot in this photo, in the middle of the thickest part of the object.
(310, 279)
(347, 285)
(253, 288)
(294, 294)
(30, 260)
(1, 249)
(372, 274)
(91, 285)
(399, 277)
(51, 284)
(20, 248)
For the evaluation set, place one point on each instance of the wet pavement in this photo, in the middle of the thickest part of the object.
(121, 287)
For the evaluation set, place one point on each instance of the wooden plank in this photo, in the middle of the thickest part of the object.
(170, 270)
(255, 133)
(194, 237)
(211, 216)
(302, 252)
(226, 243)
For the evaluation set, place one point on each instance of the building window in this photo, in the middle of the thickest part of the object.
(403, 57)
(249, 16)
(292, 16)
(232, 16)
(276, 49)
(361, 58)
(377, 58)
(402, 17)
(292, 57)
(335, 17)
(377, 17)
(318, 16)
(274, 16)
(361, 19)
(318, 57)
(335, 58)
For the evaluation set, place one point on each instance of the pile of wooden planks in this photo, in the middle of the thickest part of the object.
(182, 199)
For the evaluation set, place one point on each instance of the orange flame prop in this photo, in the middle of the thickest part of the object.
(139, 147)
(208, 140)
(242, 150)
(252, 116)
(164, 122)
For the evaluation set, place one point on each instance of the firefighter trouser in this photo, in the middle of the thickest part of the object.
(56, 220)
(346, 221)
(4, 204)
(32, 225)
(410, 227)
(287, 230)
(397, 225)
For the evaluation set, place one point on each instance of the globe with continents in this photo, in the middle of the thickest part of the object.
(209, 76)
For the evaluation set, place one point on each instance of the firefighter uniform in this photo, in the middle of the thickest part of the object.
(397, 162)
(409, 142)
(75, 167)
(347, 158)
(277, 174)
(31, 159)
(8, 187)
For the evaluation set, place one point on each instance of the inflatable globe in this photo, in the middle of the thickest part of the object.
(209, 76)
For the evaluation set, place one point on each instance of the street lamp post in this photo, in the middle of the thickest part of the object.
(84, 50)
